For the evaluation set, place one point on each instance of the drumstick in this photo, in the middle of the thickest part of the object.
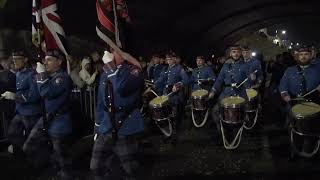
(245, 80)
(170, 94)
(154, 93)
(310, 92)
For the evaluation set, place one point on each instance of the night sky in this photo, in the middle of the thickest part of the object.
(300, 30)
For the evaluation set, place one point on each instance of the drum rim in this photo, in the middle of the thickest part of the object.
(299, 117)
(200, 97)
(231, 122)
(254, 97)
(165, 103)
(233, 105)
(161, 105)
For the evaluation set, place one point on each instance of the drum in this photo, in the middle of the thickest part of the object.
(252, 104)
(232, 110)
(306, 117)
(199, 98)
(159, 108)
(147, 96)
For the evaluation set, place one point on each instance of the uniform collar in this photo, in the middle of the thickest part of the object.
(304, 67)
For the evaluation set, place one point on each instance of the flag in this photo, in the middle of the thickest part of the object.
(111, 14)
(36, 24)
(54, 34)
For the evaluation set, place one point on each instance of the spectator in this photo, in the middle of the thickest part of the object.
(85, 72)
(74, 74)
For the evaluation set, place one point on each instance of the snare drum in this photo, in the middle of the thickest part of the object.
(199, 98)
(306, 117)
(252, 104)
(232, 109)
(159, 108)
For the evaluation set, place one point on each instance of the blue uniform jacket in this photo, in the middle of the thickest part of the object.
(171, 76)
(292, 82)
(127, 82)
(231, 72)
(56, 90)
(253, 65)
(204, 72)
(155, 72)
(27, 94)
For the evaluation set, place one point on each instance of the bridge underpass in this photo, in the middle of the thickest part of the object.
(192, 28)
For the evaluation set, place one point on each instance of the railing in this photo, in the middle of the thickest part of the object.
(87, 98)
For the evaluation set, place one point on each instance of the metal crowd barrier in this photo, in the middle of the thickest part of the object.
(87, 98)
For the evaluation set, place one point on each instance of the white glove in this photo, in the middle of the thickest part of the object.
(107, 57)
(40, 68)
(95, 137)
(9, 95)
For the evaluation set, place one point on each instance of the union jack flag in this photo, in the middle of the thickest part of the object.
(54, 34)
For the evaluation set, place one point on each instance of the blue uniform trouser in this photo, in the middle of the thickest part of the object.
(41, 149)
(104, 150)
(19, 129)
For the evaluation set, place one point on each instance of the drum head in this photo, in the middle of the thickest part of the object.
(251, 93)
(159, 101)
(305, 109)
(233, 101)
(198, 94)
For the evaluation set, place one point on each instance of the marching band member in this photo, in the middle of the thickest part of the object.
(54, 85)
(202, 76)
(118, 118)
(175, 80)
(27, 100)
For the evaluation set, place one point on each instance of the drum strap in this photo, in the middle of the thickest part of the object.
(295, 149)
(303, 81)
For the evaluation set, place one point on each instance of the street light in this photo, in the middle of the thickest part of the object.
(298, 44)
(284, 32)
(253, 54)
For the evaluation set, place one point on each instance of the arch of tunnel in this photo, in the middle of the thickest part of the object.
(191, 26)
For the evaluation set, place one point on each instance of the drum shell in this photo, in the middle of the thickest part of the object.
(252, 104)
(199, 103)
(308, 125)
(147, 97)
(160, 112)
(232, 115)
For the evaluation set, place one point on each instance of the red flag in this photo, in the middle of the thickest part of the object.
(111, 13)
(54, 34)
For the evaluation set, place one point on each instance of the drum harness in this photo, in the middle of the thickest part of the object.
(293, 131)
(236, 141)
(166, 133)
(192, 110)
